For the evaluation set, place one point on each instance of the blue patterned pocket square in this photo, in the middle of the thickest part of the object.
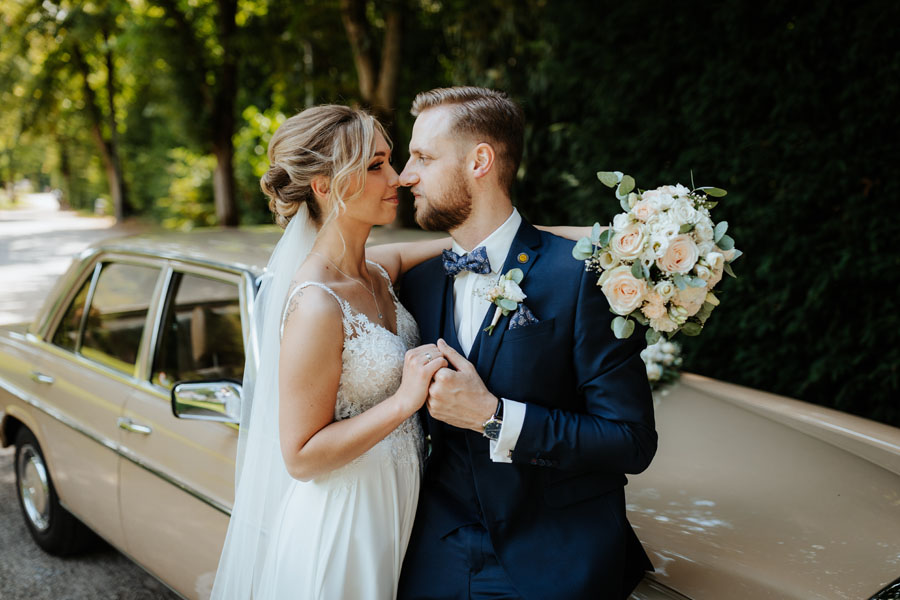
(522, 317)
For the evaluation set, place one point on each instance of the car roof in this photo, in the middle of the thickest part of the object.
(245, 248)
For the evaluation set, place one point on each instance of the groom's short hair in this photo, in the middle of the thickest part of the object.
(483, 112)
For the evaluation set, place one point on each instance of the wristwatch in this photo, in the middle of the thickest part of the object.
(492, 426)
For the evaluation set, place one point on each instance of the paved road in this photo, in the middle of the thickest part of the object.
(36, 246)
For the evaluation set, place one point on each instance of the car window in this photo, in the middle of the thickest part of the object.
(201, 336)
(66, 335)
(118, 310)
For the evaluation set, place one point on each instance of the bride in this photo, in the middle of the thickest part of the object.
(330, 447)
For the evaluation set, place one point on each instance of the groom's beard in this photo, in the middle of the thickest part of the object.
(449, 210)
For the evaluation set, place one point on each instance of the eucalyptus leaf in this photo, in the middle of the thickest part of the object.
(725, 242)
(652, 336)
(737, 255)
(627, 185)
(507, 304)
(515, 275)
(622, 327)
(608, 178)
(639, 317)
(729, 270)
(714, 191)
(721, 228)
(696, 282)
(623, 202)
(583, 249)
(678, 279)
(686, 228)
(637, 269)
(691, 328)
(705, 311)
(605, 237)
(619, 175)
(596, 230)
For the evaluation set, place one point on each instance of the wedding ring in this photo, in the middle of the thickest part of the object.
(428, 357)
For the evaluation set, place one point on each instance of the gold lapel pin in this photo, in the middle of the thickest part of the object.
(522, 258)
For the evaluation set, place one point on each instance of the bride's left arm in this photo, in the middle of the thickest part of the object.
(400, 257)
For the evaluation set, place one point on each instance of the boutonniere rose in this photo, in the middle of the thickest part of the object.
(505, 295)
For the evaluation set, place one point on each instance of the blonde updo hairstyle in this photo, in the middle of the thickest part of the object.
(329, 140)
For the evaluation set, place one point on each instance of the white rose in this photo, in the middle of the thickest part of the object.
(621, 221)
(704, 231)
(690, 299)
(511, 290)
(683, 212)
(715, 259)
(680, 256)
(628, 243)
(663, 324)
(704, 248)
(678, 314)
(623, 291)
(703, 273)
(665, 289)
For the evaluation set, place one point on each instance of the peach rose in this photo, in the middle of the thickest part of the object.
(653, 310)
(628, 243)
(691, 299)
(644, 210)
(623, 291)
(680, 256)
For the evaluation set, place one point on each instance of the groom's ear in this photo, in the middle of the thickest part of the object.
(482, 159)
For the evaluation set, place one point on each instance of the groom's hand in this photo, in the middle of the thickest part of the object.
(459, 397)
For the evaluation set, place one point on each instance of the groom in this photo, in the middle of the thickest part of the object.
(534, 427)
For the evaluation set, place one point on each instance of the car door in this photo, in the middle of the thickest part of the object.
(87, 376)
(178, 488)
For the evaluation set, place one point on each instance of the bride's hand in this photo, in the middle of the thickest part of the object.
(419, 367)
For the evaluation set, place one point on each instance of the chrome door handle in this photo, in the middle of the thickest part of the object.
(41, 378)
(129, 425)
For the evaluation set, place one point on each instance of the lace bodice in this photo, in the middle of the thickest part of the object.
(372, 356)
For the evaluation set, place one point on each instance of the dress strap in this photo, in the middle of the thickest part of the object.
(345, 306)
(387, 277)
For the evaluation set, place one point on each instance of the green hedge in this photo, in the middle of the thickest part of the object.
(794, 110)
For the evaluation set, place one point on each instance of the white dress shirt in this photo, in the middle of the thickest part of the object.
(469, 311)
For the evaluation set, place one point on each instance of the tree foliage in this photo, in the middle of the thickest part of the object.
(788, 106)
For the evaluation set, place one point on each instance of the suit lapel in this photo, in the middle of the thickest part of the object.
(523, 253)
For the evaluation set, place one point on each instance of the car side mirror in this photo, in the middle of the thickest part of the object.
(218, 400)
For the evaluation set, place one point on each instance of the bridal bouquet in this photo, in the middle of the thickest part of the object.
(661, 258)
(662, 360)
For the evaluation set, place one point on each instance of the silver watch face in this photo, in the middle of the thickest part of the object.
(492, 429)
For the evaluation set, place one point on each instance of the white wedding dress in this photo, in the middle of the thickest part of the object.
(344, 534)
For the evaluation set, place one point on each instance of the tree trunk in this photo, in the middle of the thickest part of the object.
(224, 119)
(108, 152)
(120, 198)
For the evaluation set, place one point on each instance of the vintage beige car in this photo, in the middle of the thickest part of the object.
(122, 400)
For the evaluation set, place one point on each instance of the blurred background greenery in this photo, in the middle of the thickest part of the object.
(163, 109)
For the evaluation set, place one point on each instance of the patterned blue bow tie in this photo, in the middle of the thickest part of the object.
(475, 261)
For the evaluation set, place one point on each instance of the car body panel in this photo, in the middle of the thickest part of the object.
(753, 495)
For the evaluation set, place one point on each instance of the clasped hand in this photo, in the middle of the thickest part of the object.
(458, 396)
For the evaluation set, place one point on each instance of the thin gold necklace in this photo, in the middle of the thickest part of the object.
(368, 289)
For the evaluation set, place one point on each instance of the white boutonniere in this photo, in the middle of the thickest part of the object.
(506, 295)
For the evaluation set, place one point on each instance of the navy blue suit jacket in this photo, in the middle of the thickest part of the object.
(556, 515)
